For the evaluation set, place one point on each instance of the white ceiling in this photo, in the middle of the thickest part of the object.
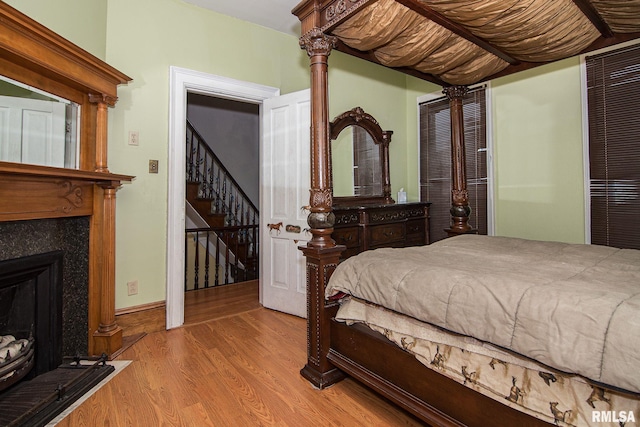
(275, 14)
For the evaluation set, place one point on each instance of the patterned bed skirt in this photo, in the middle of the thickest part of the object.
(521, 383)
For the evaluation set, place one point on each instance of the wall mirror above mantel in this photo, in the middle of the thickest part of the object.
(70, 88)
(38, 128)
(360, 160)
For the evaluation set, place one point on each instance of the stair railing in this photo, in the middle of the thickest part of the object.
(220, 255)
(216, 183)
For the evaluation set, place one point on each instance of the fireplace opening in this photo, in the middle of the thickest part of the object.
(31, 309)
(35, 384)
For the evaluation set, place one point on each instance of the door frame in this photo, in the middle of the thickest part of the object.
(181, 82)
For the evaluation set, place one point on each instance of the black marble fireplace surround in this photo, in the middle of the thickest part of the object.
(71, 237)
(44, 271)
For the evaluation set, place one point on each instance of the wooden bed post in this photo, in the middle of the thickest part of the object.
(460, 209)
(321, 251)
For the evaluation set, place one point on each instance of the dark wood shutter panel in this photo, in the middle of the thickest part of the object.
(435, 161)
(613, 106)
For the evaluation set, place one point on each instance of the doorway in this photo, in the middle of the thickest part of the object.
(182, 83)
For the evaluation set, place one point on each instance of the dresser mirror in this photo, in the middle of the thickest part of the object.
(38, 128)
(360, 160)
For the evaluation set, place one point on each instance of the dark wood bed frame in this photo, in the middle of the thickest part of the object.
(334, 349)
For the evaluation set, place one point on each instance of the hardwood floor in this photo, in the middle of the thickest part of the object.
(240, 368)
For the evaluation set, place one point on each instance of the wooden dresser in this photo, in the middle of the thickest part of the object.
(397, 225)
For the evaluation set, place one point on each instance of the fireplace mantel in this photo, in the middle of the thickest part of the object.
(38, 192)
(36, 56)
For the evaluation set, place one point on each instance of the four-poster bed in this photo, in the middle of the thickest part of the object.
(452, 43)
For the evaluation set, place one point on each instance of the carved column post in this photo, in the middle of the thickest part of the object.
(321, 218)
(107, 338)
(460, 209)
(321, 252)
(101, 130)
(105, 335)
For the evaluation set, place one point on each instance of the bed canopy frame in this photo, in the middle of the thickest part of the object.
(452, 43)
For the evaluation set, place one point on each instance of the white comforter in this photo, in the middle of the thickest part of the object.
(573, 307)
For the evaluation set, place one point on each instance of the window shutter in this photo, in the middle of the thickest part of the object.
(613, 97)
(435, 161)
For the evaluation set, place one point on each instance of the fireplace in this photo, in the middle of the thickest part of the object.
(70, 238)
(34, 56)
(30, 316)
(44, 273)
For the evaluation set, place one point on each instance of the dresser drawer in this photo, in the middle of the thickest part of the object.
(377, 226)
(415, 228)
(386, 234)
(348, 236)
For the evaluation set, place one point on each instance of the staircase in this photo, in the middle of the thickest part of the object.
(225, 250)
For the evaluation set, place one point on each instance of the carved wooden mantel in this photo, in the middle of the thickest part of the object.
(36, 56)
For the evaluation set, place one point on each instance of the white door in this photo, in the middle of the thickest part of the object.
(33, 131)
(285, 190)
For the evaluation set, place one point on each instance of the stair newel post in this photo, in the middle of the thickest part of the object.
(321, 252)
(460, 209)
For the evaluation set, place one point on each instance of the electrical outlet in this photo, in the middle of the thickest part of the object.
(134, 137)
(153, 166)
(132, 288)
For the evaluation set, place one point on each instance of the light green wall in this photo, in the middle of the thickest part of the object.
(174, 33)
(538, 149)
(80, 21)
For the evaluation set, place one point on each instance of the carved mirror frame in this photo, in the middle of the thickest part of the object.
(358, 117)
